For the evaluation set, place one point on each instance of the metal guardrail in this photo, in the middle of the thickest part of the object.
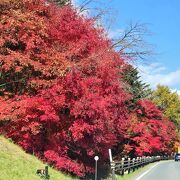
(129, 165)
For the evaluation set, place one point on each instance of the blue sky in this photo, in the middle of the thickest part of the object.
(163, 20)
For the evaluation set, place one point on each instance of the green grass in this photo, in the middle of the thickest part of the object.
(15, 164)
(134, 174)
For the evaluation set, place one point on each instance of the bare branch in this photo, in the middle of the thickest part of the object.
(84, 4)
(131, 42)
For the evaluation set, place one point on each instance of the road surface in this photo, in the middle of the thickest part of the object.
(164, 170)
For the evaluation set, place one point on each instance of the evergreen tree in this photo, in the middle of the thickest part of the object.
(135, 86)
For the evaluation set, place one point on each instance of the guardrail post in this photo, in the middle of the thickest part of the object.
(144, 160)
(140, 160)
(137, 162)
(133, 162)
(112, 164)
(122, 165)
(129, 165)
(147, 159)
(150, 159)
(113, 170)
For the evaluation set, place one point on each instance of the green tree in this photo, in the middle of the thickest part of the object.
(168, 102)
(134, 85)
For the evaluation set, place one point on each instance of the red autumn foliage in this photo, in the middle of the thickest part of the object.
(28, 59)
(62, 97)
(70, 123)
(76, 33)
(149, 132)
(39, 43)
(81, 113)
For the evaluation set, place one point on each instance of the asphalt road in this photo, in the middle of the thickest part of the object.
(167, 170)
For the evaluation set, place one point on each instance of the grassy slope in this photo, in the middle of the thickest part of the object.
(15, 164)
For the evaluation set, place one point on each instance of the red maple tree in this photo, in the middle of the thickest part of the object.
(62, 96)
(149, 132)
(70, 104)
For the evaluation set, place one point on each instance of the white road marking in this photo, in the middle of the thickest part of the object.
(138, 178)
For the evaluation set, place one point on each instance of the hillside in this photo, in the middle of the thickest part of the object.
(15, 164)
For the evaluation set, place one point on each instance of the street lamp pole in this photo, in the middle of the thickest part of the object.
(96, 158)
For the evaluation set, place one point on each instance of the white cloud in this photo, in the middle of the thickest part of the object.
(155, 74)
